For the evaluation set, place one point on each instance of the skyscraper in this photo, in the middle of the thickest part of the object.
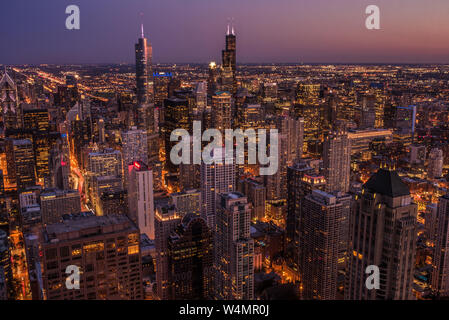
(9, 103)
(228, 67)
(323, 227)
(337, 162)
(166, 220)
(440, 280)
(107, 251)
(221, 111)
(435, 164)
(134, 146)
(191, 268)
(140, 197)
(144, 71)
(234, 248)
(382, 233)
(215, 178)
(56, 203)
(21, 163)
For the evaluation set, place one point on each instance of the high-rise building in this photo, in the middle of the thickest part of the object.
(21, 163)
(324, 217)
(222, 111)
(6, 275)
(229, 62)
(337, 162)
(134, 146)
(166, 220)
(140, 197)
(234, 248)
(9, 103)
(107, 251)
(440, 274)
(144, 70)
(191, 269)
(435, 164)
(216, 178)
(383, 231)
(56, 203)
(187, 201)
(368, 108)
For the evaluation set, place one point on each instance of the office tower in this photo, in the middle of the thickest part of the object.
(215, 178)
(30, 210)
(144, 70)
(187, 201)
(200, 97)
(165, 222)
(107, 162)
(234, 248)
(177, 116)
(140, 197)
(295, 194)
(134, 146)
(56, 203)
(337, 162)
(103, 185)
(228, 67)
(21, 163)
(277, 183)
(382, 233)
(6, 276)
(276, 212)
(43, 143)
(435, 164)
(323, 225)
(212, 80)
(161, 81)
(113, 202)
(107, 251)
(9, 103)
(59, 168)
(221, 111)
(440, 273)
(368, 111)
(405, 119)
(191, 269)
(256, 193)
(36, 119)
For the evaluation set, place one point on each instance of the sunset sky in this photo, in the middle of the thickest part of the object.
(412, 31)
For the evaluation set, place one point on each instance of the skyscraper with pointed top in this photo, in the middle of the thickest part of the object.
(144, 73)
(228, 67)
(9, 103)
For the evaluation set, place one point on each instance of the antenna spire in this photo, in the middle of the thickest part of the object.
(233, 31)
(228, 30)
(141, 25)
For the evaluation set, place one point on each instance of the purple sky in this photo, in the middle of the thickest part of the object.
(412, 31)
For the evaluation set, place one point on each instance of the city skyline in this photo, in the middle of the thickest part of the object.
(290, 32)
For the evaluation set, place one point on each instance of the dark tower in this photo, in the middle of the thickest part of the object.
(229, 81)
(143, 69)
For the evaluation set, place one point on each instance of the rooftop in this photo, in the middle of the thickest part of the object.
(388, 183)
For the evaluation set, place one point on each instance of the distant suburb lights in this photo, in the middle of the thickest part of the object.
(372, 21)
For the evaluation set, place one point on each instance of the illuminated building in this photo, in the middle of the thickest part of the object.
(188, 201)
(276, 211)
(440, 281)
(234, 248)
(229, 62)
(143, 69)
(257, 195)
(21, 163)
(134, 146)
(36, 119)
(177, 116)
(221, 111)
(113, 202)
(368, 109)
(200, 97)
(382, 233)
(9, 103)
(337, 162)
(212, 80)
(361, 140)
(166, 220)
(107, 251)
(435, 164)
(161, 81)
(191, 259)
(140, 197)
(102, 185)
(43, 143)
(56, 203)
(215, 178)
(6, 276)
(323, 225)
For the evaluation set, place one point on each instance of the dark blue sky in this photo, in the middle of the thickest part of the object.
(33, 31)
